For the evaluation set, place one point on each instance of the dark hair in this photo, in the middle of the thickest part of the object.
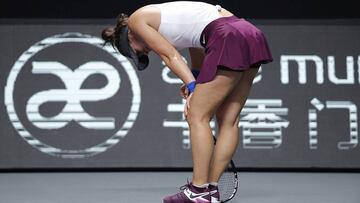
(111, 34)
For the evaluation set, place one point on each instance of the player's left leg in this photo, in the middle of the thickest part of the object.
(227, 116)
(203, 104)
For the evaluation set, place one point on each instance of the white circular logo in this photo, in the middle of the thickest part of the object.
(72, 96)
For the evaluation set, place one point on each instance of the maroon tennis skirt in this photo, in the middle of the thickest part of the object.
(233, 43)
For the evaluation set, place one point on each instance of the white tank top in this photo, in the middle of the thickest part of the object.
(183, 21)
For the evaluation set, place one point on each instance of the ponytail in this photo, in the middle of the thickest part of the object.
(111, 34)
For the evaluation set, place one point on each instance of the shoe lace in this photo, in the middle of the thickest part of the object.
(182, 188)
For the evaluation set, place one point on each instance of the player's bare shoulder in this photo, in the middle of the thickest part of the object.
(147, 14)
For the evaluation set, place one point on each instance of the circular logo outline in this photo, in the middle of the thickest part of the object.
(82, 153)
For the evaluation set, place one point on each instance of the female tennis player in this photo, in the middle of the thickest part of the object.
(225, 51)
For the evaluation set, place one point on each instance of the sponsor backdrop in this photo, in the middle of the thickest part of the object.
(67, 101)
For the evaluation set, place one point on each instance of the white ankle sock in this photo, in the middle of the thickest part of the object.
(202, 186)
(214, 184)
